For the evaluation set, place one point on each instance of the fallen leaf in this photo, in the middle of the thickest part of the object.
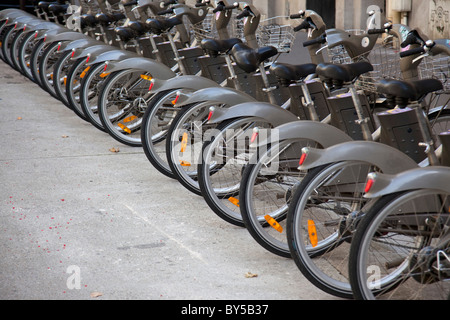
(114, 150)
(96, 294)
(19, 118)
(64, 136)
(250, 275)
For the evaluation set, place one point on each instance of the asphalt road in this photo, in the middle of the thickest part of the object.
(78, 221)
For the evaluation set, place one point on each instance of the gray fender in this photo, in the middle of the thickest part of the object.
(49, 32)
(65, 36)
(45, 25)
(227, 96)
(94, 50)
(12, 14)
(156, 69)
(388, 159)
(104, 54)
(261, 110)
(79, 43)
(188, 82)
(435, 178)
(322, 133)
(20, 21)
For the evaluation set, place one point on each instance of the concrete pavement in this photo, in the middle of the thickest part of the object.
(78, 221)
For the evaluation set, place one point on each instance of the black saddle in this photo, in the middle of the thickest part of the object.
(342, 73)
(58, 8)
(45, 4)
(125, 33)
(288, 73)
(106, 19)
(161, 25)
(403, 92)
(215, 47)
(249, 59)
(138, 27)
(88, 20)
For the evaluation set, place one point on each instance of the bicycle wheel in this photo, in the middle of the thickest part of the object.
(225, 154)
(122, 104)
(6, 44)
(14, 47)
(24, 54)
(401, 248)
(91, 86)
(60, 72)
(184, 143)
(156, 122)
(267, 187)
(321, 219)
(48, 59)
(35, 57)
(73, 86)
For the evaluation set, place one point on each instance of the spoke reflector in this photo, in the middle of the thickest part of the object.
(104, 74)
(273, 223)
(83, 74)
(146, 77)
(234, 201)
(129, 119)
(124, 128)
(185, 164)
(312, 233)
(184, 142)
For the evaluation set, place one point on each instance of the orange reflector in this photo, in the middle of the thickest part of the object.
(129, 119)
(273, 223)
(146, 77)
(234, 201)
(102, 75)
(83, 74)
(184, 142)
(65, 80)
(185, 164)
(51, 75)
(124, 128)
(312, 233)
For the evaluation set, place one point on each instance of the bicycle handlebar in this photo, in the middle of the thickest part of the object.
(222, 7)
(412, 52)
(130, 3)
(305, 25)
(168, 11)
(299, 15)
(320, 40)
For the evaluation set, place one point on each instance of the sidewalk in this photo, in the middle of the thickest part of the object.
(81, 222)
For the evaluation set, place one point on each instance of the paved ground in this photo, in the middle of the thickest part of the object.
(77, 219)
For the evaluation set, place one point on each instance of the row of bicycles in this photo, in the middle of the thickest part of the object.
(341, 163)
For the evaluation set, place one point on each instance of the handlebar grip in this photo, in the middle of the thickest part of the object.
(304, 25)
(411, 52)
(376, 31)
(320, 40)
(296, 16)
(244, 14)
(131, 3)
(200, 4)
(168, 11)
(168, 3)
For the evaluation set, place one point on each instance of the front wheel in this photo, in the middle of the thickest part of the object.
(401, 249)
(122, 103)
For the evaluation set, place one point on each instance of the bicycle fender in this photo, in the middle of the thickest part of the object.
(322, 133)
(228, 96)
(12, 14)
(65, 36)
(20, 21)
(387, 158)
(158, 70)
(189, 82)
(262, 110)
(80, 43)
(94, 50)
(435, 178)
(103, 54)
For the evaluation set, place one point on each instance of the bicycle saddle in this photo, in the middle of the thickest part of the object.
(88, 20)
(404, 91)
(161, 25)
(215, 47)
(125, 33)
(249, 59)
(106, 19)
(58, 8)
(343, 72)
(288, 72)
(138, 27)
